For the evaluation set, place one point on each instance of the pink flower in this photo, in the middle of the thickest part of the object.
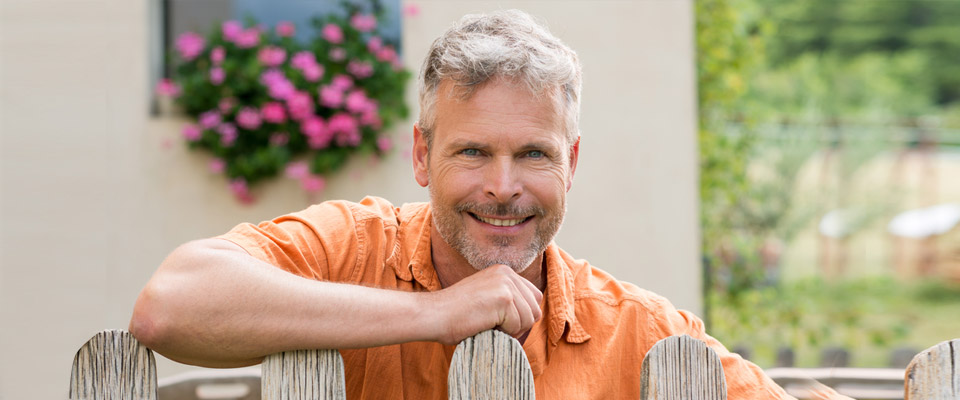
(297, 170)
(241, 191)
(191, 132)
(217, 55)
(273, 113)
(374, 44)
(313, 183)
(189, 45)
(345, 128)
(338, 54)
(277, 83)
(387, 54)
(332, 33)
(210, 119)
(228, 134)
(217, 75)
(226, 105)
(330, 96)
(364, 22)
(313, 126)
(231, 30)
(313, 73)
(341, 82)
(397, 64)
(317, 133)
(279, 139)
(300, 105)
(384, 144)
(303, 59)
(272, 76)
(372, 119)
(282, 90)
(272, 56)
(411, 10)
(285, 29)
(357, 102)
(249, 118)
(168, 88)
(248, 38)
(217, 166)
(360, 69)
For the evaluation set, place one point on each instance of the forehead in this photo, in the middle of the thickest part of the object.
(499, 109)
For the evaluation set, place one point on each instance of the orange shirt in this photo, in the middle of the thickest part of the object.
(589, 344)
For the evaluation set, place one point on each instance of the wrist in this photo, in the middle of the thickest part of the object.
(432, 318)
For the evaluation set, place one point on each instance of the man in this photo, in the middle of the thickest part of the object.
(395, 288)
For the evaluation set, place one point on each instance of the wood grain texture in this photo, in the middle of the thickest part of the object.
(113, 365)
(934, 374)
(491, 365)
(303, 374)
(681, 367)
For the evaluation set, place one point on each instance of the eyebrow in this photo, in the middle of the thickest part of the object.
(538, 146)
(467, 144)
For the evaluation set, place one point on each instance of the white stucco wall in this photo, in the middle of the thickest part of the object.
(94, 193)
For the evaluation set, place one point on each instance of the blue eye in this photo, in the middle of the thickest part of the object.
(535, 154)
(470, 152)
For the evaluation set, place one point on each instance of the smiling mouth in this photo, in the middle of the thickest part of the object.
(501, 222)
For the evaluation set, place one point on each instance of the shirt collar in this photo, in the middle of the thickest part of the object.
(559, 314)
(416, 222)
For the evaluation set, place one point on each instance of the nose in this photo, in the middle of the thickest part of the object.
(500, 181)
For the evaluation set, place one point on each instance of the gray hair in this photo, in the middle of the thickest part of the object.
(504, 44)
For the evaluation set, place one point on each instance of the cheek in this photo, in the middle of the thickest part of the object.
(548, 183)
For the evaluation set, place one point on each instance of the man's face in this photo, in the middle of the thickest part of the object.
(498, 172)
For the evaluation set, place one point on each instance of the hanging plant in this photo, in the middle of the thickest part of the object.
(265, 103)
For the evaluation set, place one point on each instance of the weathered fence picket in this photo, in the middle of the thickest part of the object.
(113, 365)
(681, 367)
(934, 374)
(303, 375)
(490, 366)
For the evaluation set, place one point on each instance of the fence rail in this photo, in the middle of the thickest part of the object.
(489, 365)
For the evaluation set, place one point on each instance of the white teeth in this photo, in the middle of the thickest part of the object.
(501, 222)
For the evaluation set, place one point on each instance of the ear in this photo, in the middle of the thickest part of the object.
(420, 157)
(574, 155)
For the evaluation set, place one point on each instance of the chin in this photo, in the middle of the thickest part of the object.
(518, 262)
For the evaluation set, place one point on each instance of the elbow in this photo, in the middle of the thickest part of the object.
(156, 316)
(148, 324)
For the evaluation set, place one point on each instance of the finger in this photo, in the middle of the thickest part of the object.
(533, 289)
(524, 310)
(511, 321)
(530, 297)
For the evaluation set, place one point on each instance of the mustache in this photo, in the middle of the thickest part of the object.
(500, 209)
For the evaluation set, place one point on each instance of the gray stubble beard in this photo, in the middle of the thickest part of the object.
(479, 259)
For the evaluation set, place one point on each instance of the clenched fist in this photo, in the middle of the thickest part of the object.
(495, 297)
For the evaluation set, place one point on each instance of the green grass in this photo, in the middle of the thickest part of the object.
(868, 316)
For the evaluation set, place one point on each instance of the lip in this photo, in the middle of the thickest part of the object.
(503, 230)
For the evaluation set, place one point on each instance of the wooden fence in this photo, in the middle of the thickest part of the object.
(487, 366)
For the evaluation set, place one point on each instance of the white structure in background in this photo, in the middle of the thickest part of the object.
(925, 222)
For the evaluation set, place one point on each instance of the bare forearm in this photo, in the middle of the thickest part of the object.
(212, 304)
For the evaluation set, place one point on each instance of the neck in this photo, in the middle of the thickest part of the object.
(452, 267)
